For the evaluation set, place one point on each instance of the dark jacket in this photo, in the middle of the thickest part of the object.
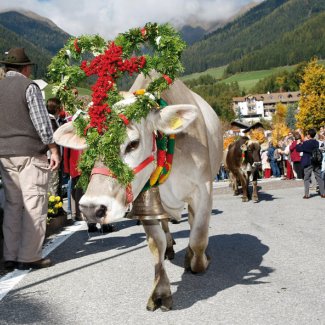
(307, 147)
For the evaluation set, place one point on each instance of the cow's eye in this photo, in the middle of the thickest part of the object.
(132, 146)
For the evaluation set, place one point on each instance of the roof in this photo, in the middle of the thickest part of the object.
(287, 97)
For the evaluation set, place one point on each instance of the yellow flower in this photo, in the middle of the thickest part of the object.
(140, 92)
(60, 204)
(52, 198)
(58, 199)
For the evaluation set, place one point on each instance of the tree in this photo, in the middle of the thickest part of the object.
(280, 129)
(311, 112)
(291, 119)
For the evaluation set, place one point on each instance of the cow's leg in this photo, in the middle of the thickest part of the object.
(170, 253)
(199, 210)
(244, 184)
(161, 294)
(234, 184)
(254, 182)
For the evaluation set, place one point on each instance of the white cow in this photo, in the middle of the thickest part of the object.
(197, 157)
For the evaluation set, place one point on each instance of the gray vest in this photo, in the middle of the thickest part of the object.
(18, 136)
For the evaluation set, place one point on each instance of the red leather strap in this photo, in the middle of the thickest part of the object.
(102, 171)
(145, 163)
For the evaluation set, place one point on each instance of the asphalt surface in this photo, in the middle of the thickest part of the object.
(267, 267)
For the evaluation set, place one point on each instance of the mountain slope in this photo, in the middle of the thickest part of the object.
(37, 54)
(37, 31)
(40, 37)
(258, 28)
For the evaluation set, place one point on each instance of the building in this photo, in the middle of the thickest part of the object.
(254, 107)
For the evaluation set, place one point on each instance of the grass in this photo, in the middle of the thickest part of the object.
(81, 91)
(247, 80)
(214, 72)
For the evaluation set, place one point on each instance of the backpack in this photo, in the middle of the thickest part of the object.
(316, 157)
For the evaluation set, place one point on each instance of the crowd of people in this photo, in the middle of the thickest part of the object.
(291, 159)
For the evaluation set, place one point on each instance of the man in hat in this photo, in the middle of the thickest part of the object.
(25, 136)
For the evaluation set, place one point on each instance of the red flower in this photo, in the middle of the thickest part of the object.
(168, 79)
(143, 32)
(108, 67)
(75, 43)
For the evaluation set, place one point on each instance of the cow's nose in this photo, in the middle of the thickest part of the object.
(101, 211)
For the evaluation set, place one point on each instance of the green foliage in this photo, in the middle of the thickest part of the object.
(104, 127)
(291, 116)
(275, 32)
(290, 81)
(294, 46)
(39, 38)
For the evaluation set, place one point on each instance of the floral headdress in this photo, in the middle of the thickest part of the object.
(103, 127)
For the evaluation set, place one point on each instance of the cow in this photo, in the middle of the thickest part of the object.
(197, 157)
(243, 161)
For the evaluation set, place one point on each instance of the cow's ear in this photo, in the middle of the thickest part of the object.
(174, 118)
(66, 136)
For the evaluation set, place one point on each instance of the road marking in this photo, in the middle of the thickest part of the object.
(10, 280)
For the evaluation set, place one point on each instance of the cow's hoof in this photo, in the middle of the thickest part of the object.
(196, 264)
(244, 199)
(164, 303)
(255, 199)
(200, 264)
(188, 258)
(236, 193)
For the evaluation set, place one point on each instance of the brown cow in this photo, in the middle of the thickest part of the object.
(243, 160)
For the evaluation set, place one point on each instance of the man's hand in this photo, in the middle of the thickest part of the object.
(55, 157)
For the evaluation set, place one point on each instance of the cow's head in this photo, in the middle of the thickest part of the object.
(105, 199)
(251, 149)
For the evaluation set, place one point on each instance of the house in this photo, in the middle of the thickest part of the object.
(255, 107)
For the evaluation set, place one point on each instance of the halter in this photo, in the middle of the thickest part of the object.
(107, 172)
(163, 168)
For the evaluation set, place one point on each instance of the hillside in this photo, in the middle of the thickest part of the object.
(262, 26)
(40, 37)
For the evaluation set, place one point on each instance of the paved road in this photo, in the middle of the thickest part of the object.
(267, 268)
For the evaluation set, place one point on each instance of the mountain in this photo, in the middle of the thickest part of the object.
(195, 30)
(40, 37)
(259, 38)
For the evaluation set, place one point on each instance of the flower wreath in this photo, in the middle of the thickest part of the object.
(104, 128)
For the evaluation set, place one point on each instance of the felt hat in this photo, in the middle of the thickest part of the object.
(16, 56)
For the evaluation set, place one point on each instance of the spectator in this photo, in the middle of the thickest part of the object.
(25, 136)
(273, 160)
(266, 167)
(296, 156)
(53, 106)
(287, 159)
(307, 147)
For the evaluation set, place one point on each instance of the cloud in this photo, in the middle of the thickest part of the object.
(110, 17)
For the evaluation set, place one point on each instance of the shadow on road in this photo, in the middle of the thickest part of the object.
(235, 259)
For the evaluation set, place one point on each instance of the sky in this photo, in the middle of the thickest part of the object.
(110, 17)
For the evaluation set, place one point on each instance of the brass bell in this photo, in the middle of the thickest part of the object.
(147, 206)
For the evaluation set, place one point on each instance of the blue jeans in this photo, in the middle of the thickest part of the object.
(275, 168)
